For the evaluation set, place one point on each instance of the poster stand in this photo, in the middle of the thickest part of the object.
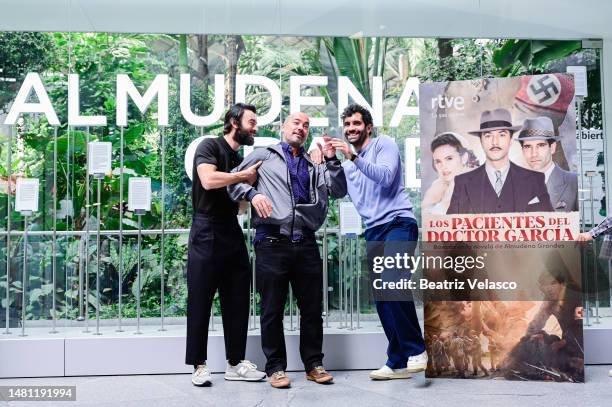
(350, 229)
(7, 330)
(139, 213)
(99, 178)
(24, 275)
(99, 163)
(163, 226)
(54, 238)
(26, 203)
(139, 201)
(84, 273)
(120, 248)
(590, 175)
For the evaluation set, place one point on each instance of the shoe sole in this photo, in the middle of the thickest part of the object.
(207, 383)
(281, 387)
(375, 377)
(416, 370)
(244, 379)
(329, 380)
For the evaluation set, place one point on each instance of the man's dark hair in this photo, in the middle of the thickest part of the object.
(235, 113)
(355, 108)
(548, 140)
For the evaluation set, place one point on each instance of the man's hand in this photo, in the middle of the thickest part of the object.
(578, 313)
(341, 146)
(316, 155)
(328, 150)
(584, 237)
(249, 174)
(262, 205)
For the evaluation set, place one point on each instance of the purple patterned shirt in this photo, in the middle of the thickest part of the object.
(298, 172)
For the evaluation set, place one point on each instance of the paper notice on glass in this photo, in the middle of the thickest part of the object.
(350, 221)
(139, 194)
(580, 80)
(99, 157)
(26, 197)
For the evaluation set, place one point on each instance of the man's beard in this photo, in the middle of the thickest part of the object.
(360, 140)
(244, 138)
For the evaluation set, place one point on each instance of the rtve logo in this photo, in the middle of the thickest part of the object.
(448, 102)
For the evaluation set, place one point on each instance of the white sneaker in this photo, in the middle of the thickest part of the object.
(417, 363)
(386, 373)
(201, 376)
(244, 370)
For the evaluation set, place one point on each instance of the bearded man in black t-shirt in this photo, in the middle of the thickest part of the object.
(217, 257)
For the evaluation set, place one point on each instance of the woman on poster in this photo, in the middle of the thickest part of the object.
(450, 157)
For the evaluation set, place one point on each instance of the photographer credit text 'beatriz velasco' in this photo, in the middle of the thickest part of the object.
(400, 264)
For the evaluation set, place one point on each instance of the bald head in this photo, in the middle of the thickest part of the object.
(295, 129)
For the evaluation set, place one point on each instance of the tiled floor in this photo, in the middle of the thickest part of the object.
(351, 388)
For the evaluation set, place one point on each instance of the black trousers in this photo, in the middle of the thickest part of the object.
(278, 264)
(217, 259)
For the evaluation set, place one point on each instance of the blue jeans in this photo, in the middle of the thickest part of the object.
(398, 318)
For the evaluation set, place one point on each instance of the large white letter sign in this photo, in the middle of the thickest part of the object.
(296, 100)
(275, 95)
(402, 109)
(411, 161)
(159, 88)
(74, 109)
(185, 102)
(346, 88)
(262, 141)
(20, 105)
(190, 154)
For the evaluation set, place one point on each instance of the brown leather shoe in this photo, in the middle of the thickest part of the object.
(279, 380)
(319, 375)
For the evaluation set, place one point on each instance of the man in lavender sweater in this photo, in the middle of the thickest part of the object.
(376, 187)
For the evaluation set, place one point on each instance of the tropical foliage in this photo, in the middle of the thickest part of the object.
(98, 58)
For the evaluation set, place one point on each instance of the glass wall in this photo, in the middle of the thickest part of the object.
(66, 258)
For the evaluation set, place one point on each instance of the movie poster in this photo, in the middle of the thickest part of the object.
(499, 183)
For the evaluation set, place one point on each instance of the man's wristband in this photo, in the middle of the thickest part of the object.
(353, 157)
(327, 160)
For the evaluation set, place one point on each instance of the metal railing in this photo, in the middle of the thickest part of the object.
(349, 273)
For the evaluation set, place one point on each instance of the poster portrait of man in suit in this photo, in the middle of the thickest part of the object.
(499, 185)
(539, 144)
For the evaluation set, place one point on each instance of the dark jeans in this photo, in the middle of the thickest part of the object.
(278, 264)
(217, 259)
(398, 318)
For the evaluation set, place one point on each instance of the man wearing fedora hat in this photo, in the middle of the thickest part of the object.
(498, 185)
(538, 142)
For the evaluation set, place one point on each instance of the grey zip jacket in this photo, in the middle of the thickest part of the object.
(274, 182)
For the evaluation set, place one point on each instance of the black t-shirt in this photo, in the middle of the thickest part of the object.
(215, 151)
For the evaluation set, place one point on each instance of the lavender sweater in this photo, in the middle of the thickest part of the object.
(376, 183)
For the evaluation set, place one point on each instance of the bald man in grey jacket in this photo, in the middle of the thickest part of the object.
(290, 198)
